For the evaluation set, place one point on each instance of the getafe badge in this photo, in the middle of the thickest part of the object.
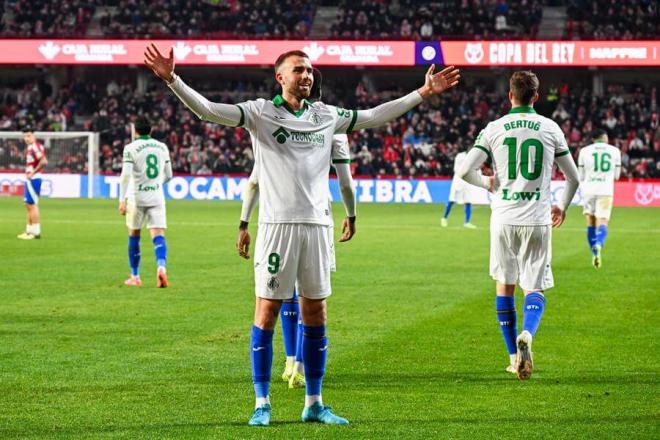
(316, 119)
(273, 283)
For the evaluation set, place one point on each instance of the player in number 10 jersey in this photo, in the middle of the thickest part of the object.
(145, 170)
(523, 146)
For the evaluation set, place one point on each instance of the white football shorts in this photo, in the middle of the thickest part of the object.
(598, 206)
(154, 215)
(290, 253)
(521, 255)
(459, 191)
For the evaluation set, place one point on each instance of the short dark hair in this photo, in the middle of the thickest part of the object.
(524, 85)
(27, 129)
(316, 92)
(285, 55)
(142, 126)
(598, 133)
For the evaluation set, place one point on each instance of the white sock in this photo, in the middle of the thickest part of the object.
(290, 360)
(28, 229)
(512, 359)
(310, 400)
(298, 367)
(36, 228)
(261, 401)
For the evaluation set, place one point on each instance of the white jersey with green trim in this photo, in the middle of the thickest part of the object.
(293, 152)
(523, 146)
(149, 158)
(599, 164)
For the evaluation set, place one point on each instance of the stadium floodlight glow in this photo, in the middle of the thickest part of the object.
(64, 149)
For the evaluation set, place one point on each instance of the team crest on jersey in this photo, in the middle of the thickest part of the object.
(273, 283)
(316, 119)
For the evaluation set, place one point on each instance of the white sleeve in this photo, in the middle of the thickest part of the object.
(346, 187)
(380, 115)
(225, 114)
(124, 179)
(581, 171)
(168, 170)
(617, 165)
(470, 169)
(250, 197)
(567, 166)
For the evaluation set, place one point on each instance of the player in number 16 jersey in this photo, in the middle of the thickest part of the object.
(145, 170)
(600, 166)
(523, 146)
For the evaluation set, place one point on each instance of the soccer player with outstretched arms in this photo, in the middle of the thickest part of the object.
(523, 147)
(459, 192)
(145, 169)
(292, 140)
(599, 165)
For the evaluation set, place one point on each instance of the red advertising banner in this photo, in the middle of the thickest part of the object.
(551, 53)
(643, 194)
(207, 52)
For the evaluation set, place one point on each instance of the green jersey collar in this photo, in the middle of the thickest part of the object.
(522, 109)
(278, 101)
(144, 136)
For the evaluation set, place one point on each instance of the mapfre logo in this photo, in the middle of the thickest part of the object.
(49, 50)
(646, 193)
(474, 53)
(181, 50)
(314, 50)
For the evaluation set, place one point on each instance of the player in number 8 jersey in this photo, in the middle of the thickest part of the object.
(523, 146)
(600, 166)
(145, 170)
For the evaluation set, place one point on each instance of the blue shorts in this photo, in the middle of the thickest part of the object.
(32, 191)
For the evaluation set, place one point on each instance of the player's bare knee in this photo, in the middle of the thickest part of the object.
(591, 220)
(505, 289)
(313, 311)
(133, 232)
(155, 232)
(602, 221)
(266, 312)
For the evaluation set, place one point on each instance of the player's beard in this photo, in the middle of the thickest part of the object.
(300, 92)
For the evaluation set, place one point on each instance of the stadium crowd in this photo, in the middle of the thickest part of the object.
(422, 143)
(613, 19)
(410, 19)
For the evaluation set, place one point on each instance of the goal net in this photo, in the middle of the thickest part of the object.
(69, 152)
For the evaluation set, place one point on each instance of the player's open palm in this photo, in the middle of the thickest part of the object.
(441, 81)
(557, 214)
(243, 243)
(162, 66)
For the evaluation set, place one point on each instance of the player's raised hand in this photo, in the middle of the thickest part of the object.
(436, 83)
(243, 243)
(347, 229)
(162, 66)
(558, 215)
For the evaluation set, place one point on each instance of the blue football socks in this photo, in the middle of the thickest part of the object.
(289, 318)
(468, 212)
(299, 342)
(134, 254)
(601, 235)
(506, 316)
(448, 209)
(261, 354)
(315, 355)
(591, 236)
(534, 306)
(160, 249)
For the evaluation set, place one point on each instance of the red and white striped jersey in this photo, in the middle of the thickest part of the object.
(33, 155)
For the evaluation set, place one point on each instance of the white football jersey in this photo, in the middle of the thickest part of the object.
(149, 158)
(598, 164)
(523, 146)
(293, 152)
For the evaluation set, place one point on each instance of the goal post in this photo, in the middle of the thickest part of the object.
(71, 152)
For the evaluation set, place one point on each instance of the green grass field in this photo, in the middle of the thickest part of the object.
(415, 349)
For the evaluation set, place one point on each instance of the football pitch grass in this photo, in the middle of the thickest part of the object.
(415, 349)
